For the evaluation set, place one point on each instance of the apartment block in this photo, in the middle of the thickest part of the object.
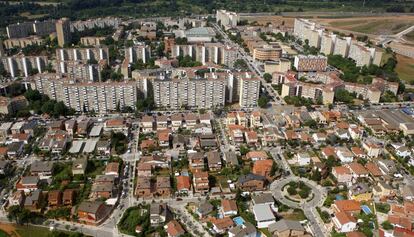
(63, 31)
(91, 40)
(101, 97)
(342, 46)
(193, 93)
(328, 43)
(281, 65)
(267, 52)
(249, 92)
(81, 70)
(22, 42)
(20, 65)
(309, 90)
(22, 30)
(138, 52)
(368, 92)
(227, 19)
(83, 54)
(362, 55)
(310, 63)
(113, 22)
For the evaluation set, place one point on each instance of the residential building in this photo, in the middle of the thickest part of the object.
(310, 63)
(63, 32)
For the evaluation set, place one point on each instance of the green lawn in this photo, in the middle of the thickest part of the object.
(30, 231)
(3, 234)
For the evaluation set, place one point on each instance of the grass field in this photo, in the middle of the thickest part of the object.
(405, 68)
(31, 231)
(370, 25)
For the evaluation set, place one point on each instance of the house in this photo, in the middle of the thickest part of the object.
(202, 129)
(264, 198)
(287, 228)
(387, 166)
(4, 167)
(372, 149)
(256, 155)
(342, 134)
(162, 122)
(176, 121)
(263, 215)
(28, 183)
(174, 229)
(242, 118)
(247, 229)
(251, 182)
(85, 125)
(71, 126)
(155, 161)
(222, 225)
(328, 151)
(144, 170)
(5, 131)
(200, 182)
(358, 152)
(103, 147)
(117, 125)
(91, 212)
(17, 127)
(16, 199)
(15, 149)
(204, 208)
(43, 169)
(213, 160)
(159, 214)
(403, 151)
(383, 189)
(163, 137)
(408, 192)
(236, 133)
(263, 167)
(231, 158)
(231, 118)
(68, 197)
(21, 137)
(96, 131)
(344, 154)
(112, 168)
(358, 171)
(344, 222)
(373, 170)
(205, 119)
(180, 141)
(33, 200)
(228, 207)
(148, 144)
(79, 166)
(255, 120)
(349, 206)
(319, 137)
(355, 132)
(183, 184)
(251, 137)
(147, 124)
(190, 120)
(196, 161)
(303, 159)
(342, 174)
(143, 187)
(102, 190)
(207, 141)
(360, 192)
(54, 198)
(3, 152)
(163, 186)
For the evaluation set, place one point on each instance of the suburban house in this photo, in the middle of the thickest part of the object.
(263, 215)
(174, 229)
(54, 198)
(344, 222)
(28, 183)
(91, 212)
(200, 182)
(251, 182)
(213, 160)
(159, 214)
(287, 228)
(228, 207)
(43, 169)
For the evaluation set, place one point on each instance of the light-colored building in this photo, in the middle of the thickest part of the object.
(227, 19)
(20, 65)
(92, 40)
(310, 63)
(138, 52)
(63, 31)
(22, 42)
(249, 92)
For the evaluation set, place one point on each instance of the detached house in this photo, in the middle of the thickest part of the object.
(214, 160)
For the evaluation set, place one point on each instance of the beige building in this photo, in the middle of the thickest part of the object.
(83, 54)
(281, 65)
(138, 52)
(249, 92)
(327, 43)
(92, 40)
(20, 65)
(363, 56)
(227, 19)
(267, 52)
(22, 42)
(309, 90)
(342, 46)
(63, 31)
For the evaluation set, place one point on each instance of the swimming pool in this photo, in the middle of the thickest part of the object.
(366, 209)
(238, 220)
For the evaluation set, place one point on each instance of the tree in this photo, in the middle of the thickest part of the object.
(262, 102)
(387, 225)
(316, 176)
(267, 77)
(292, 191)
(244, 150)
(344, 96)
(274, 169)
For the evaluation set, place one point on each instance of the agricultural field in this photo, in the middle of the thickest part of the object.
(405, 68)
(370, 25)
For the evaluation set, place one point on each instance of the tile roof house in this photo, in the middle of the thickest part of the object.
(204, 208)
(214, 160)
(174, 229)
(68, 197)
(159, 214)
(163, 186)
(200, 182)
(251, 182)
(143, 187)
(228, 207)
(262, 167)
(54, 198)
(183, 184)
(342, 174)
(287, 228)
(256, 155)
(358, 171)
(112, 169)
(28, 183)
(33, 200)
(222, 225)
(245, 230)
(91, 212)
(196, 161)
(349, 206)
(344, 222)
(41, 169)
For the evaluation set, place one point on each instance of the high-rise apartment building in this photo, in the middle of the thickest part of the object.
(20, 65)
(138, 52)
(249, 92)
(310, 63)
(227, 19)
(83, 54)
(63, 31)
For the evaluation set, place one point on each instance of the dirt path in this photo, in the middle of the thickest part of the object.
(9, 229)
